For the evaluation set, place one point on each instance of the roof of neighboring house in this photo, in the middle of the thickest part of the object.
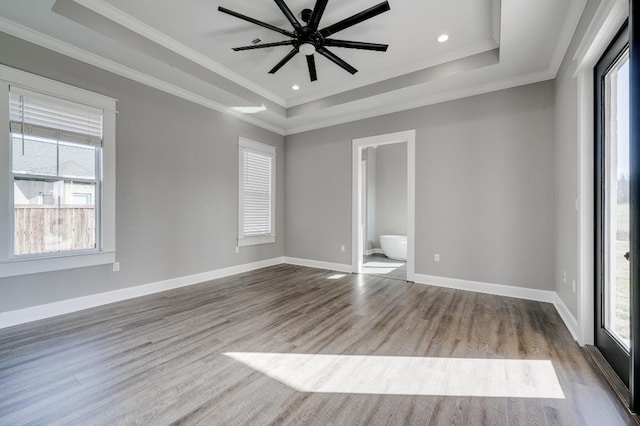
(40, 157)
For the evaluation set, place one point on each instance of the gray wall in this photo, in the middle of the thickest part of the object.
(566, 156)
(391, 190)
(177, 173)
(484, 187)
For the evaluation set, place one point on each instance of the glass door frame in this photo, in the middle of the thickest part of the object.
(634, 198)
(612, 349)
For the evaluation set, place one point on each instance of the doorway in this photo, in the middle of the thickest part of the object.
(612, 207)
(384, 210)
(367, 258)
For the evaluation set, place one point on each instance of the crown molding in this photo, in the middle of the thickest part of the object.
(606, 22)
(48, 42)
(416, 66)
(466, 92)
(67, 49)
(116, 15)
(99, 6)
(496, 21)
(570, 24)
(566, 35)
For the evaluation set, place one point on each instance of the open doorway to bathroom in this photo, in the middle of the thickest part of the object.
(384, 205)
(384, 210)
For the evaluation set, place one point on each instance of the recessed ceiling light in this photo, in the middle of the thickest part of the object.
(295, 87)
(442, 38)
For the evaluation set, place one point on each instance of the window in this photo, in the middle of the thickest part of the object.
(56, 150)
(59, 178)
(256, 219)
(46, 198)
(81, 199)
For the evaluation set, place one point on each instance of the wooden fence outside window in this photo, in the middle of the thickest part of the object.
(45, 229)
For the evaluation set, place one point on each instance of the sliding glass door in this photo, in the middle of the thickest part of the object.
(612, 168)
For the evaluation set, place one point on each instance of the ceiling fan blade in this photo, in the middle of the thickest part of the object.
(355, 45)
(356, 19)
(265, 45)
(318, 11)
(289, 15)
(255, 21)
(311, 62)
(333, 58)
(284, 61)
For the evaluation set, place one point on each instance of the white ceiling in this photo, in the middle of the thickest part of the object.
(410, 28)
(185, 48)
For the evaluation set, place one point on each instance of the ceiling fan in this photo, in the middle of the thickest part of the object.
(308, 39)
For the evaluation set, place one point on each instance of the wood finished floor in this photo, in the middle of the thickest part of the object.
(376, 262)
(159, 359)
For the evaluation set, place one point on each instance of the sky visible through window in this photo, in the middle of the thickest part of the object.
(623, 119)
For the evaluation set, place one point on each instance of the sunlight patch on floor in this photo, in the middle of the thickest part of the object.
(380, 267)
(383, 265)
(336, 276)
(399, 375)
(366, 270)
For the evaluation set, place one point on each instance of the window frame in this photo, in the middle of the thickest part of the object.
(262, 149)
(105, 251)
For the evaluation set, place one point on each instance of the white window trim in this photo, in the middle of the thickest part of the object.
(244, 143)
(47, 262)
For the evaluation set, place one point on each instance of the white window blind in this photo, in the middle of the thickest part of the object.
(257, 180)
(42, 116)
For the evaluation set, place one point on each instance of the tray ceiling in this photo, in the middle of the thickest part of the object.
(185, 48)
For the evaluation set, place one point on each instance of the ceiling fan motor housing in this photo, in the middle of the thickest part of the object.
(306, 35)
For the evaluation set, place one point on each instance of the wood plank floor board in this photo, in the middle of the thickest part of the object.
(488, 411)
(106, 390)
(414, 410)
(164, 358)
(185, 373)
(451, 410)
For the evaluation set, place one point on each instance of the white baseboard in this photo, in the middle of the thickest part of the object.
(34, 313)
(510, 291)
(373, 251)
(21, 316)
(489, 288)
(569, 320)
(339, 267)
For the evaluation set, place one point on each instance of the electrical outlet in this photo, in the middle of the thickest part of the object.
(342, 248)
(237, 250)
(436, 257)
(564, 276)
(574, 285)
(116, 266)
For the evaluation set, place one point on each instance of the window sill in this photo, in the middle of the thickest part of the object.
(254, 241)
(15, 267)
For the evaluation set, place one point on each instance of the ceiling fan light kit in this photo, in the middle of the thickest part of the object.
(308, 39)
(307, 49)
